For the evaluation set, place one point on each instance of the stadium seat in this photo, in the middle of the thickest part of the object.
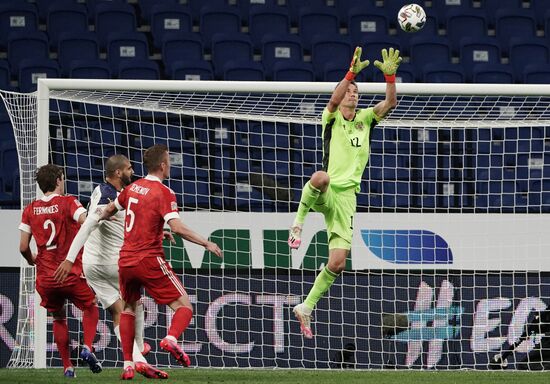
(177, 46)
(30, 70)
(192, 70)
(243, 71)
(295, 8)
(280, 48)
(492, 6)
(406, 73)
(428, 50)
(366, 21)
(169, 18)
(430, 30)
(443, 73)
(493, 74)
(311, 19)
(267, 20)
(196, 7)
(138, 69)
(145, 7)
(113, 17)
(4, 78)
(333, 49)
(335, 71)
(43, 7)
(218, 20)
(536, 74)
(89, 69)
(76, 46)
(462, 24)
(293, 71)
(527, 51)
(343, 7)
(228, 46)
(478, 51)
(65, 16)
(514, 23)
(373, 45)
(246, 7)
(26, 45)
(126, 46)
(16, 16)
(442, 9)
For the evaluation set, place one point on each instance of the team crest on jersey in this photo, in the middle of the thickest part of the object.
(174, 206)
(359, 126)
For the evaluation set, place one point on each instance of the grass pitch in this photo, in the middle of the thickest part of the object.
(290, 376)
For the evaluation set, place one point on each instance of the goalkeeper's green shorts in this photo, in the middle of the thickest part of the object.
(338, 206)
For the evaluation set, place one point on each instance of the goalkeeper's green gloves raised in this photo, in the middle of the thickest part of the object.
(389, 64)
(356, 64)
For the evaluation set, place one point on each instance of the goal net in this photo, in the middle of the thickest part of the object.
(448, 267)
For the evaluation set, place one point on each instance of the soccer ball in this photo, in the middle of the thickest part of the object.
(411, 18)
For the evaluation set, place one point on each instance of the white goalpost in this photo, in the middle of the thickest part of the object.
(448, 268)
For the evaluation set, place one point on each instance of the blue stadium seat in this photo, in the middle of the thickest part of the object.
(16, 17)
(373, 46)
(491, 7)
(43, 7)
(228, 46)
(26, 45)
(493, 74)
(442, 9)
(343, 7)
(293, 71)
(66, 16)
(113, 17)
(196, 7)
(267, 20)
(430, 30)
(514, 23)
(138, 69)
(540, 8)
(192, 70)
(177, 46)
(218, 20)
(462, 24)
(406, 73)
(30, 70)
(443, 73)
(527, 51)
(536, 74)
(296, 7)
(280, 48)
(310, 22)
(246, 7)
(334, 71)
(364, 21)
(89, 69)
(334, 49)
(4, 79)
(240, 70)
(76, 46)
(428, 50)
(478, 51)
(145, 7)
(126, 46)
(169, 18)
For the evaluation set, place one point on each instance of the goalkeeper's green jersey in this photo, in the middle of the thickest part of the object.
(346, 146)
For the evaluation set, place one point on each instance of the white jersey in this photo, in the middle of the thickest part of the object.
(104, 243)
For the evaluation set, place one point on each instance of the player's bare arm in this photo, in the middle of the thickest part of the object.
(390, 63)
(187, 233)
(341, 89)
(108, 211)
(25, 249)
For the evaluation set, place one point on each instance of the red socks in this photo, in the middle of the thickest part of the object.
(90, 317)
(180, 321)
(127, 334)
(61, 337)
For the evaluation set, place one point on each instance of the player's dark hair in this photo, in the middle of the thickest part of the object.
(114, 163)
(46, 176)
(351, 82)
(154, 156)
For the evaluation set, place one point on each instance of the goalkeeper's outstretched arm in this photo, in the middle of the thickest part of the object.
(390, 63)
(339, 93)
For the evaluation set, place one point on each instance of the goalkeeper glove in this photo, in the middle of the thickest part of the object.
(356, 64)
(389, 64)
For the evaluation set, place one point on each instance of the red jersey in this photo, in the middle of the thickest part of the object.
(148, 204)
(53, 222)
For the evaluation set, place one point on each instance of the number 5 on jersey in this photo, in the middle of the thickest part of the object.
(130, 213)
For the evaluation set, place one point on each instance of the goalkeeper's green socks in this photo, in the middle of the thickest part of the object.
(322, 283)
(310, 194)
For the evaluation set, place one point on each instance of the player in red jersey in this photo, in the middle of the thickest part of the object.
(53, 221)
(149, 204)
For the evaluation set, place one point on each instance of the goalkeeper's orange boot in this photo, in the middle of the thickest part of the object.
(127, 374)
(146, 349)
(172, 346)
(149, 371)
(294, 237)
(303, 315)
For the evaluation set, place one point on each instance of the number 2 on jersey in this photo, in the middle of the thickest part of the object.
(129, 212)
(49, 245)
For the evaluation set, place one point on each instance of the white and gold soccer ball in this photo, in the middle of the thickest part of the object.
(411, 18)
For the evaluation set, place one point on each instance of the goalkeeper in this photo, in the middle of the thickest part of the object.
(332, 191)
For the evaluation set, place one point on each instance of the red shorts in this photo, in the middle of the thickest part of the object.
(155, 275)
(53, 298)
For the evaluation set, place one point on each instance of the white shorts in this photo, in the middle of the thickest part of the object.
(103, 279)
